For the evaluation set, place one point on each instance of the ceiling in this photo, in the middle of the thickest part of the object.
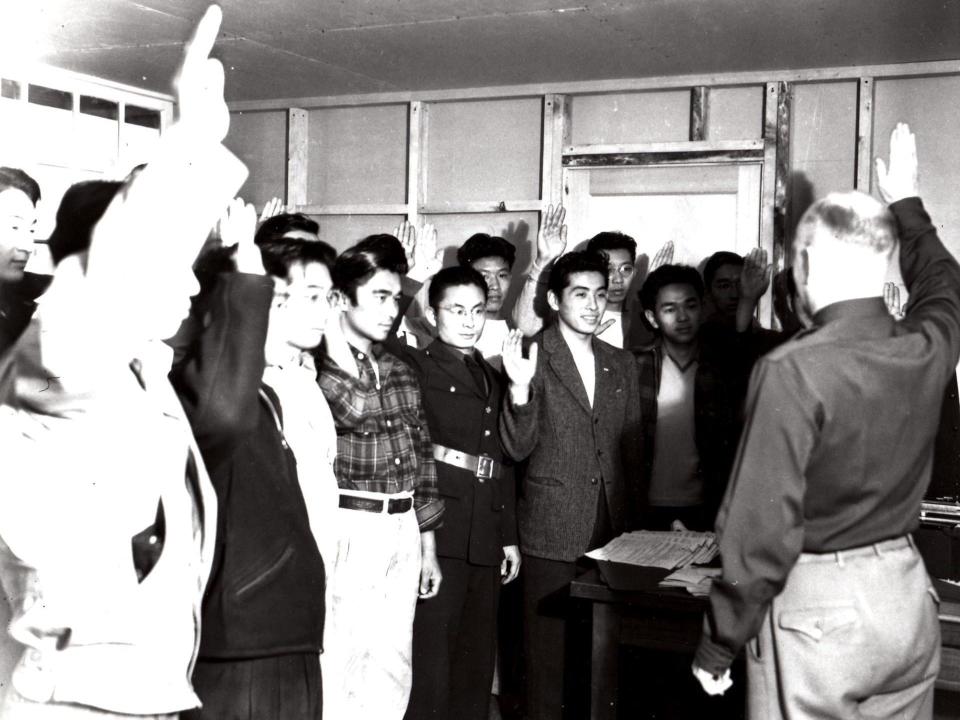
(308, 48)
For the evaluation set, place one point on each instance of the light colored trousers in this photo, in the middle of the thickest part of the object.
(371, 600)
(18, 708)
(853, 635)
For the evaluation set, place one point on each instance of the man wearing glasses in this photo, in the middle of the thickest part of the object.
(454, 636)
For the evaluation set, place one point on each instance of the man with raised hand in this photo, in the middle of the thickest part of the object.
(821, 580)
(248, 385)
(108, 515)
(577, 419)
(625, 273)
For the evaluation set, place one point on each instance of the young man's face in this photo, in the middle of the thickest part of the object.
(725, 289)
(496, 272)
(619, 275)
(301, 305)
(677, 313)
(18, 218)
(582, 302)
(377, 305)
(460, 316)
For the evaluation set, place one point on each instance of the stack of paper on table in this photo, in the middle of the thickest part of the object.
(695, 580)
(667, 550)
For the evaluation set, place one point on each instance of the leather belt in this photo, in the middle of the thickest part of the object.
(483, 467)
(375, 505)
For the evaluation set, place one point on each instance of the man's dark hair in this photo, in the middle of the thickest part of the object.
(613, 240)
(17, 179)
(481, 245)
(280, 255)
(356, 265)
(454, 277)
(81, 208)
(279, 225)
(575, 262)
(669, 275)
(718, 260)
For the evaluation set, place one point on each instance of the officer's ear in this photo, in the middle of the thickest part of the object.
(431, 316)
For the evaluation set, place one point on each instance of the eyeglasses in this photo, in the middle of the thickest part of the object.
(625, 270)
(314, 298)
(462, 313)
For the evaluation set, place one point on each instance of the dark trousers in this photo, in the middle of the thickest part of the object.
(286, 687)
(556, 633)
(454, 644)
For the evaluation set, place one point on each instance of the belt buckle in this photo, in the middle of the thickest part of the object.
(485, 467)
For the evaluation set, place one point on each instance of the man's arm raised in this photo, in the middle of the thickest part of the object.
(551, 243)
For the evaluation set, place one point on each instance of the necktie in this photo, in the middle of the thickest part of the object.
(479, 377)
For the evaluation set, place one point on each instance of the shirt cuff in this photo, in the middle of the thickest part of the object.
(907, 208)
(430, 516)
(710, 655)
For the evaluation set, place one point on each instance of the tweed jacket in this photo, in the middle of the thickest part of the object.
(573, 448)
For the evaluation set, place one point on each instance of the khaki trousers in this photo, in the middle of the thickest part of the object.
(372, 595)
(853, 635)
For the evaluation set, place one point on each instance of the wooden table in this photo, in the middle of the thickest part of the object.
(671, 619)
(650, 617)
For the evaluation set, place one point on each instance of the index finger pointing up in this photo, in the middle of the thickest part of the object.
(199, 46)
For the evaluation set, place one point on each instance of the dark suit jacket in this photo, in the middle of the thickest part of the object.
(573, 448)
(480, 517)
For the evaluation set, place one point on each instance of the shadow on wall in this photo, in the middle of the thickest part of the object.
(799, 197)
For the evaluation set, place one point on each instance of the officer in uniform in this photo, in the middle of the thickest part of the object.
(454, 634)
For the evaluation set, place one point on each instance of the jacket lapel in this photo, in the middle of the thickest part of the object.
(606, 393)
(561, 361)
(452, 363)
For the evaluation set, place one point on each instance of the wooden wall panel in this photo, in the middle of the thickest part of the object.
(342, 231)
(823, 147)
(736, 113)
(259, 139)
(662, 116)
(357, 155)
(484, 150)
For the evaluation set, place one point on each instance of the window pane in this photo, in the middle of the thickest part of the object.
(101, 108)
(50, 97)
(10, 89)
(143, 117)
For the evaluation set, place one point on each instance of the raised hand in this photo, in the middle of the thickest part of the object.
(424, 259)
(552, 238)
(755, 275)
(663, 257)
(198, 84)
(520, 370)
(238, 225)
(899, 180)
(406, 233)
(272, 208)
(891, 298)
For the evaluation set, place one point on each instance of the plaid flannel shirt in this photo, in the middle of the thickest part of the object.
(383, 442)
